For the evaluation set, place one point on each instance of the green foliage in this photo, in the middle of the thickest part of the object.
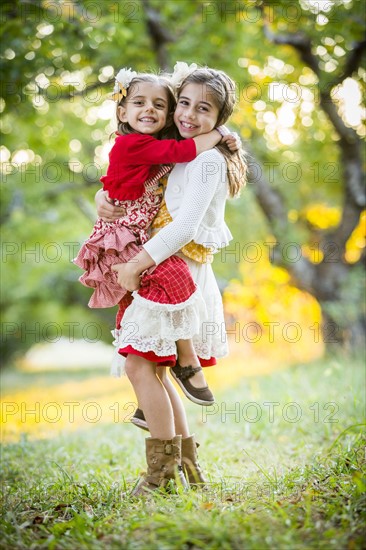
(55, 143)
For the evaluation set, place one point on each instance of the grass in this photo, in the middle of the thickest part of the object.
(284, 453)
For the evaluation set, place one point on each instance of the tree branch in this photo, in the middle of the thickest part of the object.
(299, 41)
(349, 139)
(302, 44)
(158, 34)
(346, 134)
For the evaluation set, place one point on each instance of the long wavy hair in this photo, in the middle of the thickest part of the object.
(221, 90)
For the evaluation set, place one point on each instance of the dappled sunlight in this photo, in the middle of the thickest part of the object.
(65, 407)
(49, 409)
(265, 309)
(63, 386)
(271, 324)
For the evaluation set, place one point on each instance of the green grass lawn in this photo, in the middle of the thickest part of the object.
(284, 454)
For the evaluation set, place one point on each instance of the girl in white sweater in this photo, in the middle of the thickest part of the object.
(194, 206)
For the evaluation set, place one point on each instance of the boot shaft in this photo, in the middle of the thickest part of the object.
(163, 459)
(164, 456)
(190, 464)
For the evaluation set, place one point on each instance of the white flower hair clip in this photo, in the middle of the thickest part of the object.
(123, 80)
(181, 71)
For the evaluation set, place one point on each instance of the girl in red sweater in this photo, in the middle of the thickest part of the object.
(139, 157)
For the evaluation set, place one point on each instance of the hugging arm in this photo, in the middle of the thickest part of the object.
(109, 212)
(181, 230)
(106, 209)
(150, 151)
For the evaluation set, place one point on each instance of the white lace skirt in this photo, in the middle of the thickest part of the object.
(149, 326)
(211, 341)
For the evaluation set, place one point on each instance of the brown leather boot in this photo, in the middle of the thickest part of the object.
(191, 467)
(164, 464)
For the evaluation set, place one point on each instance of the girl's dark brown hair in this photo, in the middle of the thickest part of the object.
(168, 131)
(221, 90)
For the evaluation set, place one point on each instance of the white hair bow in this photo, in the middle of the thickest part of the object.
(123, 80)
(181, 71)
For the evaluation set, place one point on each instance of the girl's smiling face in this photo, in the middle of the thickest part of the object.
(145, 108)
(196, 112)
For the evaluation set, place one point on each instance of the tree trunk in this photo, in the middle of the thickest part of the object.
(326, 279)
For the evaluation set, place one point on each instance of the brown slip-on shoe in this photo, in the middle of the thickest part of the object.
(138, 419)
(201, 396)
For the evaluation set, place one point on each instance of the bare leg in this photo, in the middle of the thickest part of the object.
(180, 417)
(152, 397)
(187, 356)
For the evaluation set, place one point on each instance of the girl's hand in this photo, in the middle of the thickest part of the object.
(127, 276)
(232, 141)
(107, 210)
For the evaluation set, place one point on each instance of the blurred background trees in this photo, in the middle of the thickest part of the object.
(299, 227)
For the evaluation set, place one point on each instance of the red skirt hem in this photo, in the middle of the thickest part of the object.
(163, 361)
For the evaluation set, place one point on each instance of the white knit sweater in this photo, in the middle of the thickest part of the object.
(195, 197)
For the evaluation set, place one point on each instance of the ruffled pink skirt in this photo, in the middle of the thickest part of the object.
(110, 243)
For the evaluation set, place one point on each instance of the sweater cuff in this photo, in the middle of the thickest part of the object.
(157, 249)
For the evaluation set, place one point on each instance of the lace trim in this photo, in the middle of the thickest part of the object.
(204, 349)
(145, 320)
(213, 348)
(160, 346)
(141, 302)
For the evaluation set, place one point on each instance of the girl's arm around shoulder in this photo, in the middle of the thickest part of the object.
(206, 142)
(143, 149)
